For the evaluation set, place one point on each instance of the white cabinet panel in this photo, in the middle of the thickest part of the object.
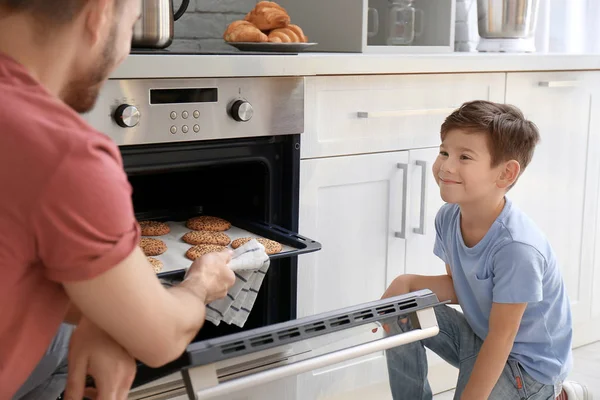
(558, 190)
(354, 207)
(366, 114)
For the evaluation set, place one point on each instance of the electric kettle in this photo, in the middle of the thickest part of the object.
(155, 27)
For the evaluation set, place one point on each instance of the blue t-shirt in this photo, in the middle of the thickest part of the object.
(513, 263)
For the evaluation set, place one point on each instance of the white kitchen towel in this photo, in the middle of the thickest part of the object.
(250, 264)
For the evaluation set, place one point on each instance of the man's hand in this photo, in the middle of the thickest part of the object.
(92, 352)
(209, 276)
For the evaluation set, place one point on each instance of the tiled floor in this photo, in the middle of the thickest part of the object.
(586, 369)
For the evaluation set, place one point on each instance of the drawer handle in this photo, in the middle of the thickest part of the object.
(404, 168)
(554, 84)
(403, 113)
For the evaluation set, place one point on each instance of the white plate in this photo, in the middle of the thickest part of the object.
(271, 47)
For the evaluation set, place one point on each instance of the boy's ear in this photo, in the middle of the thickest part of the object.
(509, 174)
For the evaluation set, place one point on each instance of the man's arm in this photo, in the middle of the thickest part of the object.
(153, 324)
(505, 320)
(441, 285)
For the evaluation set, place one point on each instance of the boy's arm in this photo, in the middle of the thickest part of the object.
(441, 285)
(505, 319)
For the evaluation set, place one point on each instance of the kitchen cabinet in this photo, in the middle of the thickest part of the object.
(589, 331)
(374, 216)
(374, 224)
(368, 194)
(559, 189)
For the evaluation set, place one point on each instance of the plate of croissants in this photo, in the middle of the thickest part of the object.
(267, 27)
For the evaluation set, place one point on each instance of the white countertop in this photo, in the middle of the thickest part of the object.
(207, 66)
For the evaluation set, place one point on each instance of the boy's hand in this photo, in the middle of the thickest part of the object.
(400, 285)
(441, 285)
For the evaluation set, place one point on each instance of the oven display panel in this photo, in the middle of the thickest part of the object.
(181, 96)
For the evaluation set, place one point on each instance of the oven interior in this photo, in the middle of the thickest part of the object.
(252, 179)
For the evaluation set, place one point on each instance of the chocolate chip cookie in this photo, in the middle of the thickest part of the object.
(208, 223)
(154, 228)
(156, 264)
(206, 237)
(202, 249)
(271, 246)
(152, 247)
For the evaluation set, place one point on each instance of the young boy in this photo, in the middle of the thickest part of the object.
(513, 338)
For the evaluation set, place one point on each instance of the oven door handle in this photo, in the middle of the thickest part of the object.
(202, 382)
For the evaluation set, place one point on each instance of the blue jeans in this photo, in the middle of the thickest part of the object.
(458, 345)
(48, 379)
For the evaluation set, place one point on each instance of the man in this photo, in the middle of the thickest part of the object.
(68, 236)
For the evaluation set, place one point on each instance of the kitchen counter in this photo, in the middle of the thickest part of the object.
(231, 65)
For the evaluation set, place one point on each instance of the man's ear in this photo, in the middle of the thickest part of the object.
(509, 174)
(97, 18)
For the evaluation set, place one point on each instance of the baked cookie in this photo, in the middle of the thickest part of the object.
(271, 246)
(154, 228)
(202, 249)
(156, 264)
(206, 237)
(152, 247)
(207, 223)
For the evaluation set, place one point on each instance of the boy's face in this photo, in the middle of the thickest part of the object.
(463, 168)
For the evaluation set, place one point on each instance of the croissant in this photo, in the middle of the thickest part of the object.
(298, 31)
(268, 15)
(291, 34)
(243, 31)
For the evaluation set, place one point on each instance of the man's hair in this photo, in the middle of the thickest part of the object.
(510, 135)
(56, 11)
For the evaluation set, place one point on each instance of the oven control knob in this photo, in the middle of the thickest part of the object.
(127, 116)
(242, 111)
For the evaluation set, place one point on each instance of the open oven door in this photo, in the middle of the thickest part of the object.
(233, 366)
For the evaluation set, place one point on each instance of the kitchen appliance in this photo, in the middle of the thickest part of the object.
(401, 22)
(230, 147)
(507, 25)
(376, 26)
(155, 29)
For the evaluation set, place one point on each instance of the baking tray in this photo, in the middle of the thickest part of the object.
(176, 263)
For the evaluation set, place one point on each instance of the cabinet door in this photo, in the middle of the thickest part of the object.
(558, 190)
(590, 331)
(354, 206)
(424, 201)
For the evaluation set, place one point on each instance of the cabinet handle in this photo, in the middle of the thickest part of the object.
(403, 113)
(404, 168)
(553, 84)
(203, 381)
(421, 229)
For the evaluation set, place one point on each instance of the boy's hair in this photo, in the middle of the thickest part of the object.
(510, 135)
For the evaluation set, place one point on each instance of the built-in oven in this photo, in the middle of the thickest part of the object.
(230, 148)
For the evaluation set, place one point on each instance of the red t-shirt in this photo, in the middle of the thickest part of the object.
(65, 215)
